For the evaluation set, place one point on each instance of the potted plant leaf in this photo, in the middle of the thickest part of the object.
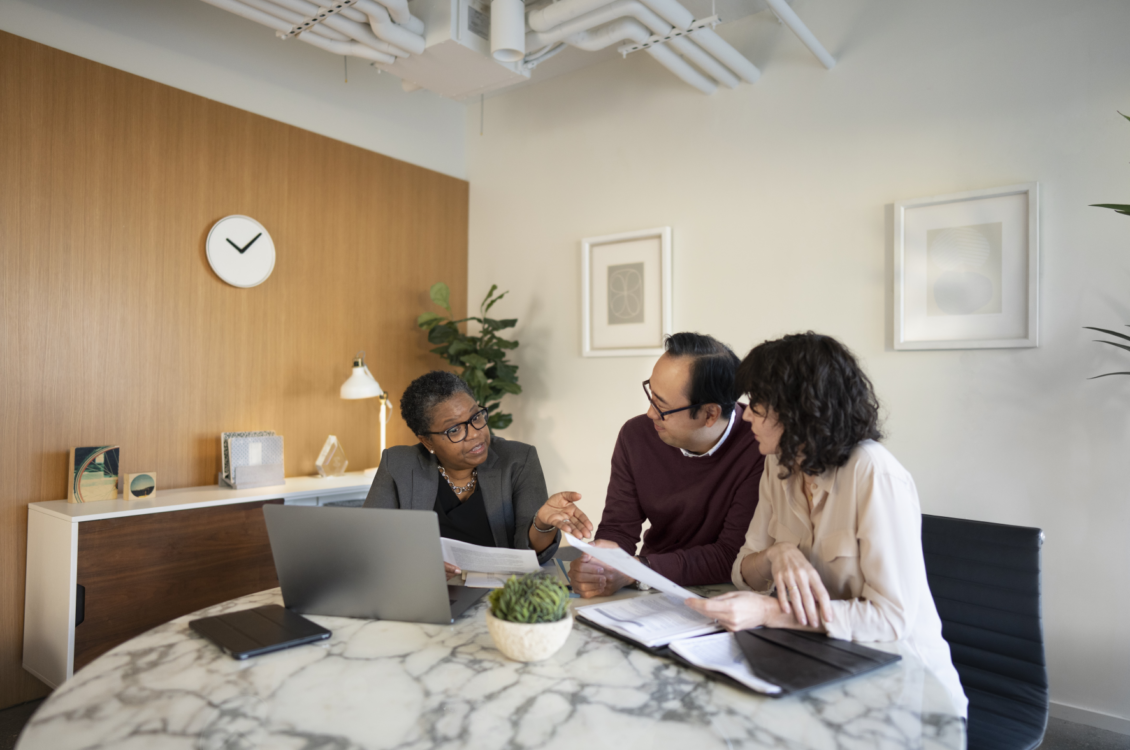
(529, 617)
(482, 357)
(1123, 209)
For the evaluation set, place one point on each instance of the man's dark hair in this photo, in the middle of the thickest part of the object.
(823, 400)
(424, 393)
(713, 369)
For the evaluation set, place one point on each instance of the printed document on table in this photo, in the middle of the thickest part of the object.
(485, 580)
(488, 559)
(652, 621)
(721, 653)
(632, 567)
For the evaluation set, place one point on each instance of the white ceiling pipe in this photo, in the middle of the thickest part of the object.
(293, 17)
(353, 49)
(251, 14)
(385, 28)
(789, 17)
(560, 12)
(704, 61)
(507, 30)
(398, 9)
(709, 40)
(629, 29)
(393, 39)
(643, 14)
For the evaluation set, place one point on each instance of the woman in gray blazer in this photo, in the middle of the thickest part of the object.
(485, 490)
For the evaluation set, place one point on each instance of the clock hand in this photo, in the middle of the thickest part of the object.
(249, 244)
(237, 247)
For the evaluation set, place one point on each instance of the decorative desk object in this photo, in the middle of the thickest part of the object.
(93, 474)
(482, 358)
(362, 384)
(386, 684)
(626, 293)
(331, 461)
(141, 486)
(966, 270)
(225, 469)
(100, 573)
(529, 617)
(256, 461)
(240, 251)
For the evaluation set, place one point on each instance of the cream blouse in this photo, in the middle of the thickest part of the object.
(863, 535)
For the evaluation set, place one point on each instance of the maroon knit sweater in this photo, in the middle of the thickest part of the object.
(699, 508)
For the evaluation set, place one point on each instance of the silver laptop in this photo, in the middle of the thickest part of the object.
(370, 563)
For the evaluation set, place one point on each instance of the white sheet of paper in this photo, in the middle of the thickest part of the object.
(721, 653)
(651, 620)
(470, 557)
(486, 580)
(630, 566)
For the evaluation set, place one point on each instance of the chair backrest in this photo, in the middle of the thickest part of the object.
(985, 579)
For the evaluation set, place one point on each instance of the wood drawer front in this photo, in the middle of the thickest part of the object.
(142, 571)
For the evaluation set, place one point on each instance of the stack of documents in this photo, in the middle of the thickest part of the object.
(488, 567)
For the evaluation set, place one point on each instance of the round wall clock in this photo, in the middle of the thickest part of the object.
(240, 251)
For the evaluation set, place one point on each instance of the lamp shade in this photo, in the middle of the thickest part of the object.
(361, 383)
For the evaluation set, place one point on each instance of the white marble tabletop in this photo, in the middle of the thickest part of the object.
(381, 684)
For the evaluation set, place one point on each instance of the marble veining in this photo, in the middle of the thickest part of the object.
(380, 684)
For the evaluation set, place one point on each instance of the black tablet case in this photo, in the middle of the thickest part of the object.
(251, 632)
(794, 660)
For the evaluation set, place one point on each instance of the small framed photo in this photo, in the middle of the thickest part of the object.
(966, 270)
(626, 293)
(142, 486)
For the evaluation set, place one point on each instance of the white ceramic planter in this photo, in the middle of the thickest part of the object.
(522, 641)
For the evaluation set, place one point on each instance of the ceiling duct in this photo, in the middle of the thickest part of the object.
(463, 48)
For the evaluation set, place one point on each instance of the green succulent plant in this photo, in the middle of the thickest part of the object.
(1123, 209)
(482, 358)
(535, 597)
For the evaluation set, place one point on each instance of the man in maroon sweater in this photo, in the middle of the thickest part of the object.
(688, 466)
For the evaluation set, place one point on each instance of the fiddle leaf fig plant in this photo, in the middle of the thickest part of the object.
(1123, 209)
(481, 357)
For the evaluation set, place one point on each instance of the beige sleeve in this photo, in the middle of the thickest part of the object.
(889, 531)
(757, 536)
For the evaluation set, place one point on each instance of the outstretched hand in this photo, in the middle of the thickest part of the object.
(561, 512)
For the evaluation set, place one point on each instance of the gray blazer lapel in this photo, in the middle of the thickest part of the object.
(425, 483)
(490, 479)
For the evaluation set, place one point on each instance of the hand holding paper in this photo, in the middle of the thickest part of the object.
(630, 566)
(472, 557)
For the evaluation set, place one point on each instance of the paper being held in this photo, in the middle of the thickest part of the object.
(630, 566)
(488, 559)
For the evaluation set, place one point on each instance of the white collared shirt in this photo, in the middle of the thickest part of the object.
(726, 434)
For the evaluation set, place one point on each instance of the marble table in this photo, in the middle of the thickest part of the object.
(381, 684)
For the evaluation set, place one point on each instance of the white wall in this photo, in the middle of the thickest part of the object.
(196, 47)
(779, 196)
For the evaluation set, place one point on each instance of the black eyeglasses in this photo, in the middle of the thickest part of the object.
(459, 432)
(662, 414)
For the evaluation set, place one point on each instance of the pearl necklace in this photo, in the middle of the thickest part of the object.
(465, 488)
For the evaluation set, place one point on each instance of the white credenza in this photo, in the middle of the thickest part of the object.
(100, 573)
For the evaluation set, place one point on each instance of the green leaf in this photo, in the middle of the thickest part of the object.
(501, 325)
(474, 360)
(492, 406)
(1121, 208)
(475, 378)
(496, 299)
(1120, 346)
(1108, 332)
(499, 421)
(428, 319)
(504, 344)
(506, 371)
(502, 385)
(444, 333)
(441, 295)
(460, 346)
(1104, 375)
(1128, 118)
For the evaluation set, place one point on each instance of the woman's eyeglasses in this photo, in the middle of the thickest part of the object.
(459, 432)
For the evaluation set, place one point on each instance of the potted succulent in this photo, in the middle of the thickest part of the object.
(529, 617)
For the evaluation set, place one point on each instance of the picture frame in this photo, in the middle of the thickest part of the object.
(966, 270)
(626, 293)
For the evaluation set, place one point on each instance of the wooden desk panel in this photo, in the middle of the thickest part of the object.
(142, 571)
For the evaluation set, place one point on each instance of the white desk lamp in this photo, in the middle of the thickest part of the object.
(362, 384)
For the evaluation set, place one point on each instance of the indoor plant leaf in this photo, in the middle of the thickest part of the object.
(441, 295)
(1108, 332)
(428, 319)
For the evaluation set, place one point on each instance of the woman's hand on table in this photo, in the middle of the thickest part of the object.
(738, 610)
(561, 512)
(451, 570)
(590, 577)
(800, 591)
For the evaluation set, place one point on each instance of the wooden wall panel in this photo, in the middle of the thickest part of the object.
(113, 328)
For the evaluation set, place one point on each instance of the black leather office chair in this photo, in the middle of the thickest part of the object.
(985, 578)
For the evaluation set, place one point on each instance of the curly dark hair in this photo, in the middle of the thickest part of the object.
(424, 393)
(824, 402)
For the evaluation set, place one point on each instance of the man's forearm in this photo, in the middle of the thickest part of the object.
(756, 570)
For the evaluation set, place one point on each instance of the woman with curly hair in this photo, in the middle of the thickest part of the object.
(835, 544)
